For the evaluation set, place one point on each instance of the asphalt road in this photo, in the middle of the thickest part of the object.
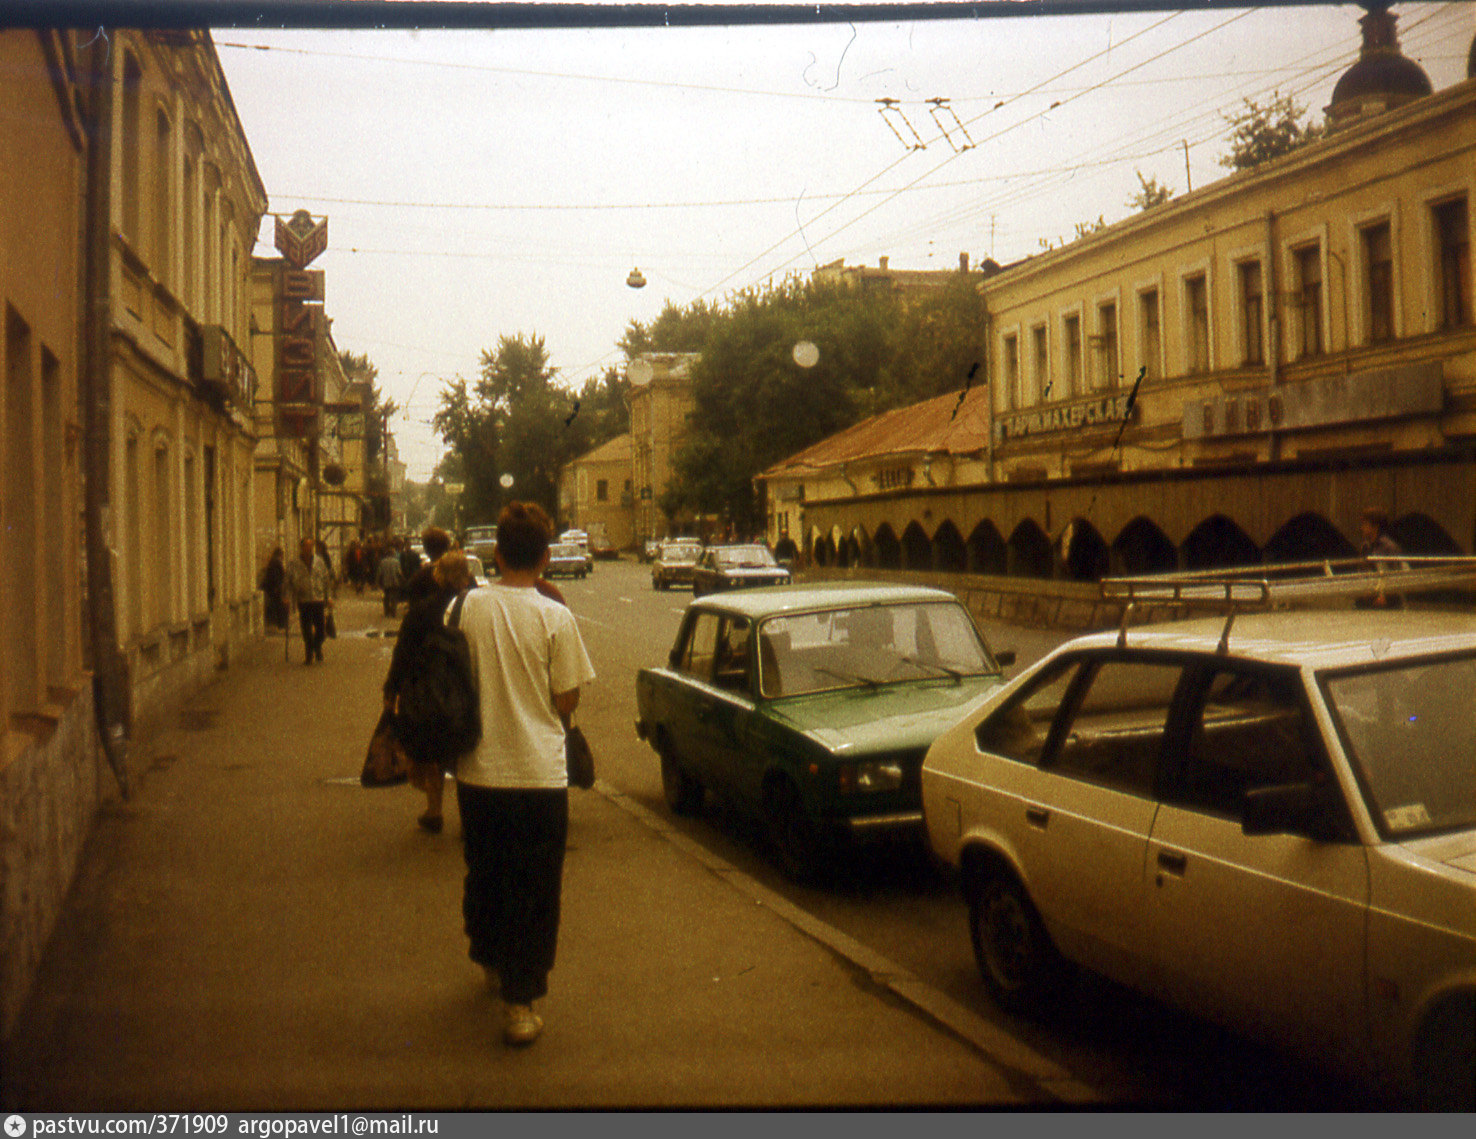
(897, 903)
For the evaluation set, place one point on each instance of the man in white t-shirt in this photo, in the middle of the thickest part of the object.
(512, 790)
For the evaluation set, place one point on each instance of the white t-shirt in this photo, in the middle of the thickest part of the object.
(524, 648)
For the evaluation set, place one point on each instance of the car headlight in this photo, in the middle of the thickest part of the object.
(869, 775)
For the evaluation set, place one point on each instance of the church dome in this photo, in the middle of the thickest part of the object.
(1382, 79)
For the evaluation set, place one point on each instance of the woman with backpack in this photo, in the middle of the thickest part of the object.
(452, 576)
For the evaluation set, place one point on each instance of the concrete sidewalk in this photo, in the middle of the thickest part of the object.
(252, 930)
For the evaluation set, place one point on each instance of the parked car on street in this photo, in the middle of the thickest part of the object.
(481, 541)
(1269, 820)
(674, 563)
(736, 567)
(581, 539)
(478, 570)
(650, 549)
(567, 560)
(811, 707)
(600, 545)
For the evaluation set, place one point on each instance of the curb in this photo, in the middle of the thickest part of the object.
(997, 1046)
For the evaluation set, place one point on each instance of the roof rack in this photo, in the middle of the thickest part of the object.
(1243, 588)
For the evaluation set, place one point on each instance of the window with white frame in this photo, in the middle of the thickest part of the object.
(1196, 324)
(1108, 365)
(1252, 312)
(1453, 262)
(1376, 247)
(1307, 300)
(1042, 361)
(1071, 333)
(1150, 336)
(1011, 353)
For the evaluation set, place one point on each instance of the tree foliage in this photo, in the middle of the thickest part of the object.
(755, 404)
(514, 420)
(1263, 132)
(1152, 193)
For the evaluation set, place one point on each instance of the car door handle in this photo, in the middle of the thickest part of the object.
(1172, 861)
(1037, 816)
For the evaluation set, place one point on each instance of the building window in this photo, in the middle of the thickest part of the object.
(1107, 362)
(1252, 343)
(1011, 393)
(1378, 262)
(129, 145)
(602, 490)
(1149, 339)
(163, 182)
(20, 532)
(190, 191)
(1308, 300)
(1453, 235)
(163, 543)
(1072, 328)
(1196, 335)
(1042, 363)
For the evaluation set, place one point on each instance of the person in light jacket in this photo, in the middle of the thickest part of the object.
(310, 585)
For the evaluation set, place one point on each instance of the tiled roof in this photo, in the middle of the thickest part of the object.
(956, 424)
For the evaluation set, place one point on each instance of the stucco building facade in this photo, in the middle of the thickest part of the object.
(661, 403)
(596, 491)
(1230, 377)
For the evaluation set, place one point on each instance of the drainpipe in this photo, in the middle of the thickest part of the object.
(109, 681)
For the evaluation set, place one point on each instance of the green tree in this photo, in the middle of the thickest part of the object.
(1153, 193)
(1264, 132)
(514, 421)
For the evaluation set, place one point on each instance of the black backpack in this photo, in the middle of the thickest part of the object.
(439, 714)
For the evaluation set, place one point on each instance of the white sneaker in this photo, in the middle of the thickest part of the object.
(521, 1025)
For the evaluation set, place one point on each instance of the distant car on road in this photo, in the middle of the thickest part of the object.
(650, 549)
(581, 539)
(477, 569)
(1269, 820)
(736, 567)
(482, 541)
(674, 563)
(811, 707)
(567, 560)
(601, 547)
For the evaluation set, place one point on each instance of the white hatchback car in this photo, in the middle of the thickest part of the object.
(1276, 832)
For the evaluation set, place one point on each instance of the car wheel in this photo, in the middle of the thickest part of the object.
(1445, 1079)
(792, 832)
(682, 790)
(1020, 966)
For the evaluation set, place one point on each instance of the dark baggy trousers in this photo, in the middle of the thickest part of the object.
(312, 619)
(514, 846)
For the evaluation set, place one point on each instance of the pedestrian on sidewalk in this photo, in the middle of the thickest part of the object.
(421, 584)
(273, 583)
(388, 578)
(309, 582)
(452, 575)
(512, 790)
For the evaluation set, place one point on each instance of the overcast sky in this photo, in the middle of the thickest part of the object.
(493, 182)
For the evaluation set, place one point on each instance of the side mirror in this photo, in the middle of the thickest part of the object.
(1289, 808)
(1005, 658)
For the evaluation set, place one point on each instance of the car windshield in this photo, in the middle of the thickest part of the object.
(481, 534)
(565, 551)
(1410, 732)
(867, 647)
(744, 557)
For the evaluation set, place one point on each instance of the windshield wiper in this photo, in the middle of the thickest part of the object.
(953, 672)
(850, 677)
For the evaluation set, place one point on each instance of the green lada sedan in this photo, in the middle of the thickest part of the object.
(812, 707)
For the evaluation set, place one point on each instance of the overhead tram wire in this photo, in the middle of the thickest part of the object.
(1005, 130)
(799, 231)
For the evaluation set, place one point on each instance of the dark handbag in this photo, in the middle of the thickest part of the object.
(580, 759)
(385, 764)
(329, 628)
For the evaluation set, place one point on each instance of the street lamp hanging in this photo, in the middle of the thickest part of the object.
(636, 280)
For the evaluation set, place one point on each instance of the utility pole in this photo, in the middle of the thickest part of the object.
(1188, 179)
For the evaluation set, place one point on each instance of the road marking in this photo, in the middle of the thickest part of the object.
(999, 1046)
